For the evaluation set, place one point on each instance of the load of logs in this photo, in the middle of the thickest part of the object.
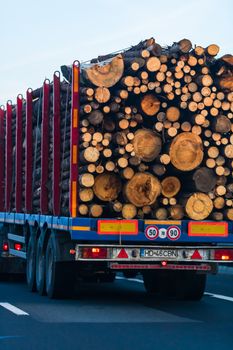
(156, 135)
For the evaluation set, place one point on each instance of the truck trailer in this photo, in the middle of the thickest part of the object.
(58, 244)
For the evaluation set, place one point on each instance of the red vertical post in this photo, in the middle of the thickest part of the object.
(28, 153)
(2, 157)
(19, 154)
(45, 149)
(9, 157)
(56, 144)
(74, 141)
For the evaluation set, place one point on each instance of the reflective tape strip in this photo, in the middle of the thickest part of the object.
(75, 77)
(75, 118)
(159, 222)
(74, 196)
(75, 154)
(81, 228)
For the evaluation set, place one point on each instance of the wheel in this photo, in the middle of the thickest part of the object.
(182, 285)
(40, 267)
(190, 285)
(31, 264)
(59, 276)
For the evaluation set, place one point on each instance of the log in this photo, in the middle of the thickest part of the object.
(143, 189)
(96, 117)
(86, 180)
(95, 210)
(161, 214)
(222, 124)
(106, 74)
(199, 206)
(212, 49)
(205, 179)
(83, 209)
(176, 212)
(107, 187)
(153, 64)
(173, 114)
(102, 94)
(226, 83)
(127, 173)
(150, 105)
(129, 211)
(86, 195)
(186, 151)
(90, 155)
(170, 186)
(147, 145)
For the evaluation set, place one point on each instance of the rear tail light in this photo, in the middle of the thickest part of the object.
(223, 254)
(5, 247)
(94, 253)
(17, 246)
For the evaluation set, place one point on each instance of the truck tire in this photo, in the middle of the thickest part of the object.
(31, 264)
(181, 285)
(59, 276)
(190, 285)
(40, 267)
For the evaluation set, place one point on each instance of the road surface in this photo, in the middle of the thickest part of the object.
(116, 316)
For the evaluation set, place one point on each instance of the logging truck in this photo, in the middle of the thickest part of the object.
(124, 165)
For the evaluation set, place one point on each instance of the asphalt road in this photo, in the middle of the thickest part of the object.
(116, 316)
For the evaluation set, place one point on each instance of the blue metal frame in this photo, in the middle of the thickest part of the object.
(85, 229)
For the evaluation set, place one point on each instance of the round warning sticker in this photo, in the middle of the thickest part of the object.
(173, 233)
(152, 232)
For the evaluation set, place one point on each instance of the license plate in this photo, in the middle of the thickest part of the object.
(159, 253)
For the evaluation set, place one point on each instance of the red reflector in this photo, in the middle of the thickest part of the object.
(94, 253)
(5, 247)
(196, 255)
(17, 246)
(123, 254)
(223, 254)
(164, 263)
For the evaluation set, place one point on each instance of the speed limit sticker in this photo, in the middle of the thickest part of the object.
(152, 232)
(173, 233)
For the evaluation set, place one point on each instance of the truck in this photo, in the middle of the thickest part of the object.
(56, 250)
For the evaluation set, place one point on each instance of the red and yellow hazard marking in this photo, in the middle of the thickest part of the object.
(203, 229)
(115, 227)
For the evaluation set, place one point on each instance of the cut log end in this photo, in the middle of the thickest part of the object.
(107, 187)
(186, 151)
(106, 74)
(199, 206)
(143, 189)
(147, 145)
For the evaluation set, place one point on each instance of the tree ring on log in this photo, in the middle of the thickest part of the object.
(107, 187)
(147, 145)
(143, 189)
(150, 105)
(106, 73)
(199, 206)
(170, 186)
(186, 151)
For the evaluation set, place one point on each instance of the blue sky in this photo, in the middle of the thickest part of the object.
(39, 36)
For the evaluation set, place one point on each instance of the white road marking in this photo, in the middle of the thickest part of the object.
(217, 296)
(129, 279)
(14, 309)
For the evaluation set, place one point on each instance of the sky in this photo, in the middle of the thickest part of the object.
(37, 37)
